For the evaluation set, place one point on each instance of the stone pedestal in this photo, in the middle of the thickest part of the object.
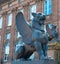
(34, 62)
(54, 51)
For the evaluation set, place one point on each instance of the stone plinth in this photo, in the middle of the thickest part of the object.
(34, 62)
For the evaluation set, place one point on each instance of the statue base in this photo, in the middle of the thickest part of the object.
(50, 61)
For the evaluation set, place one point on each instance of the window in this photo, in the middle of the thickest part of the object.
(32, 56)
(48, 7)
(20, 1)
(6, 51)
(32, 9)
(10, 19)
(18, 35)
(9, 4)
(0, 8)
(8, 35)
(18, 44)
(21, 10)
(1, 20)
(0, 37)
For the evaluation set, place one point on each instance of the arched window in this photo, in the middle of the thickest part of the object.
(6, 51)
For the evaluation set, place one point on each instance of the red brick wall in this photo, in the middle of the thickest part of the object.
(56, 13)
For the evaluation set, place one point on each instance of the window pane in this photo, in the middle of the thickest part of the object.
(0, 37)
(18, 35)
(32, 56)
(1, 20)
(32, 9)
(48, 7)
(21, 10)
(20, 0)
(1, 8)
(6, 51)
(8, 35)
(9, 4)
(45, 7)
(18, 44)
(7, 48)
(10, 19)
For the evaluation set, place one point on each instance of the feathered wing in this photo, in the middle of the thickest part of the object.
(23, 28)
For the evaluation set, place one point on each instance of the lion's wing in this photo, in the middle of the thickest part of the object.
(23, 28)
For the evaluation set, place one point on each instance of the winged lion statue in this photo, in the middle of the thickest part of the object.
(35, 36)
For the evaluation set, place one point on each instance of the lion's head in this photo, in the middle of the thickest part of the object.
(39, 17)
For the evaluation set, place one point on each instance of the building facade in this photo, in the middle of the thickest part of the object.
(9, 36)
